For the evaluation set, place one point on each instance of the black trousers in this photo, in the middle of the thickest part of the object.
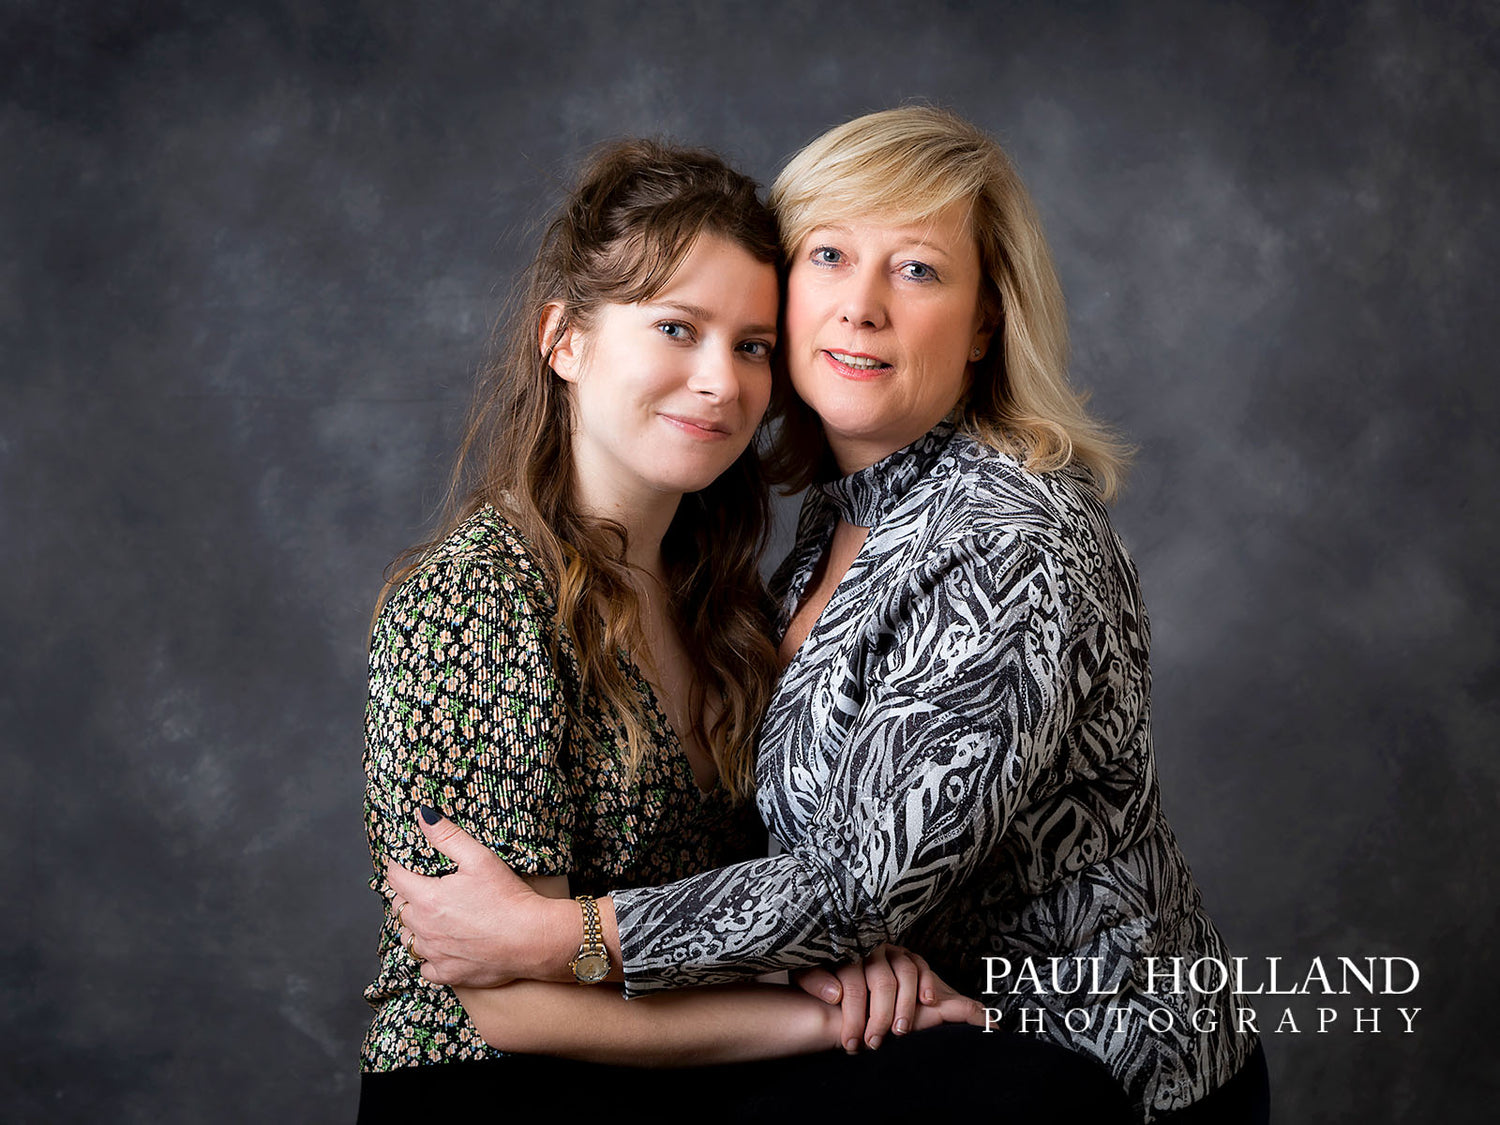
(953, 1073)
(1244, 1100)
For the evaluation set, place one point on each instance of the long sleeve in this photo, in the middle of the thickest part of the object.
(465, 715)
(956, 703)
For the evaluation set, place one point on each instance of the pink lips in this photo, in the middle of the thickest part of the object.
(849, 372)
(703, 429)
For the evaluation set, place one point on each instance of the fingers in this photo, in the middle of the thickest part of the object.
(852, 1028)
(928, 982)
(450, 839)
(405, 882)
(908, 978)
(820, 983)
(880, 980)
(961, 1009)
(939, 997)
(404, 935)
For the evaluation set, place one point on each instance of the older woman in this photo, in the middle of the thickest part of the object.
(958, 753)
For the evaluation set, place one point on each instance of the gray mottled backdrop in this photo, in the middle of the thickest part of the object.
(247, 261)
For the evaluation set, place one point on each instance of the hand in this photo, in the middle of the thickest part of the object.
(892, 990)
(468, 927)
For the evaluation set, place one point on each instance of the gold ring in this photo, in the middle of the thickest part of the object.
(411, 949)
(400, 912)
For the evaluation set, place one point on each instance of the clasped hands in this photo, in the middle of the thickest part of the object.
(482, 926)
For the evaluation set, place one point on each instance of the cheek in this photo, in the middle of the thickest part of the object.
(945, 340)
(758, 396)
(801, 316)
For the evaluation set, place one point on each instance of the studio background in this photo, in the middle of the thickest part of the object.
(250, 258)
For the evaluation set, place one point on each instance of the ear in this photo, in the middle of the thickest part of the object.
(557, 332)
(981, 342)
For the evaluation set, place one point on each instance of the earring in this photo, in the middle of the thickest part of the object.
(977, 352)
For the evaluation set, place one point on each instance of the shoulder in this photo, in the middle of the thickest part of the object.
(983, 502)
(983, 492)
(488, 541)
(483, 568)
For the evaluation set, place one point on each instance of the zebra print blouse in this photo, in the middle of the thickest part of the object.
(959, 758)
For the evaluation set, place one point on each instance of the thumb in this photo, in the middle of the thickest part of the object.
(820, 983)
(450, 839)
(955, 1008)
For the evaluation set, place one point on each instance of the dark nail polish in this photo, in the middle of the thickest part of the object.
(431, 816)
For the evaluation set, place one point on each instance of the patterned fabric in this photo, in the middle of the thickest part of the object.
(959, 758)
(468, 713)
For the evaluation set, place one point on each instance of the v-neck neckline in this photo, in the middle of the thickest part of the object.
(677, 746)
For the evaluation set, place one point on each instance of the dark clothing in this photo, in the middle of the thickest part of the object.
(955, 1073)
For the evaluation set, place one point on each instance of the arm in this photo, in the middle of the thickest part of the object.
(688, 1027)
(600, 1025)
(464, 713)
(966, 703)
(695, 1026)
(954, 730)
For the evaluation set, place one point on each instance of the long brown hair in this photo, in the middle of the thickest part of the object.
(622, 232)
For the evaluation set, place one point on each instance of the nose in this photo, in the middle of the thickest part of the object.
(862, 300)
(715, 376)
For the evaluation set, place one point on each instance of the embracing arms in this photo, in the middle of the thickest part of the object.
(463, 713)
(692, 1026)
(971, 700)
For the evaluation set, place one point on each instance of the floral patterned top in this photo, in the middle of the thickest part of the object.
(470, 685)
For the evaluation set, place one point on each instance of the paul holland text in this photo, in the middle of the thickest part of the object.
(1091, 977)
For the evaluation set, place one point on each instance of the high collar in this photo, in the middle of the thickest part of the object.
(862, 498)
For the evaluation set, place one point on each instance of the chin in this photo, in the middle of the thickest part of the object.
(858, 425)
(690, 480)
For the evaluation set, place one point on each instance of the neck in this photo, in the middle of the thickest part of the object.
(645, 516)
(851, 455)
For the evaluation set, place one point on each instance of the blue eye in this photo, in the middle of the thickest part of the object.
(918, 271)
(827, 256)
(756, 349)
(674, 330)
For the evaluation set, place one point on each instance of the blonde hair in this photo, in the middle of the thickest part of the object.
(630, 221)
(904, 166)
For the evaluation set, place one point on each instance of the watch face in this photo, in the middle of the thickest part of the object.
(591, 968)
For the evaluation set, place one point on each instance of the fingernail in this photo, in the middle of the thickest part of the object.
(852, 1046)
(831, 993)
(927, 997)
(901, 1026)
(431, 816)
(874, 1042)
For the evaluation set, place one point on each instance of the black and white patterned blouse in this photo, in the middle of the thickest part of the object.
(959, 758)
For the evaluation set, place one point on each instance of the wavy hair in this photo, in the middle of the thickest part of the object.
(904, 166)
(628, 224)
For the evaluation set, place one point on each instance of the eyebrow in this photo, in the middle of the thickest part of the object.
(698, 312)
(908, 239)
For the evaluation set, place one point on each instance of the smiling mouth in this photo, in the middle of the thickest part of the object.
(856, 363)
(703, 428)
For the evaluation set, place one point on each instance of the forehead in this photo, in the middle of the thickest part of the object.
(950, 228)
(722, 278)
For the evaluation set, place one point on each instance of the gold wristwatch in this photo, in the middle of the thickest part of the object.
(592, 963)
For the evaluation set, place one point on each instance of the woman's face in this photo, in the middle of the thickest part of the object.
(881, 325)
(667, 393)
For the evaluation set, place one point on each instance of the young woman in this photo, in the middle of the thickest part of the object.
(575, 668)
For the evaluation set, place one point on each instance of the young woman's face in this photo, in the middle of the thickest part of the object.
(667, 393)
(881, 326)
